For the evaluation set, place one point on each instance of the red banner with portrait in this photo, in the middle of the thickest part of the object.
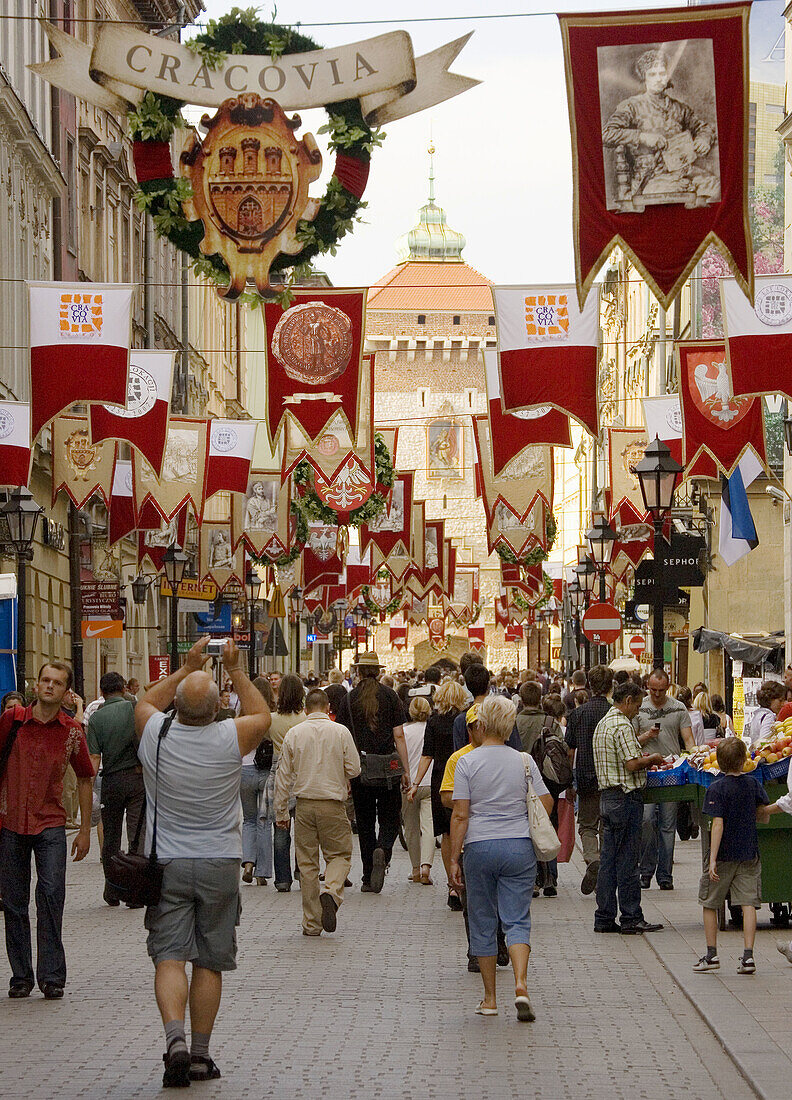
(658, 109)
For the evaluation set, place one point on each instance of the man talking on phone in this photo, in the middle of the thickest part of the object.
(671, 721)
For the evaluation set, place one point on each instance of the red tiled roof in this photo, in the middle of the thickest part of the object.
(423, 286)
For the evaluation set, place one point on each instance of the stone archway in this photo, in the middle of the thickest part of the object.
(425, 655)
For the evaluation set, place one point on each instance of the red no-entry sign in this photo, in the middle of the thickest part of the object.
(602, 623)
(637, 645)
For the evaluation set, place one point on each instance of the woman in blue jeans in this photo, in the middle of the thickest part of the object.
(491, 819)
(257, 818)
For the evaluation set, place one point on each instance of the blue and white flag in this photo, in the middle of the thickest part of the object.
(737, 535)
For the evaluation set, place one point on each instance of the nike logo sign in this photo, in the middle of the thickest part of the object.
(91, 633)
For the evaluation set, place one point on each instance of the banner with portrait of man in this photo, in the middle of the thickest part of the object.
(261, 517)
(218, 561)
(658, 109)
(183, 470)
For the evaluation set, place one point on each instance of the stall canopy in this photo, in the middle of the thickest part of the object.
(752, 649)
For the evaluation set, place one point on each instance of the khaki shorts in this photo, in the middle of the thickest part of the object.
(741, 879)
(197, 915)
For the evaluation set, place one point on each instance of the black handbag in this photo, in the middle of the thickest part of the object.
(264, 754)
(136, 879)
(380, 769)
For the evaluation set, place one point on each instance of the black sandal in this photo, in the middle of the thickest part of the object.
(202, 1068)
(177, 1069)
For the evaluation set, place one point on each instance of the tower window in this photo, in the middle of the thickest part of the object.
(491, 319)
(456, 318)
(421, 318)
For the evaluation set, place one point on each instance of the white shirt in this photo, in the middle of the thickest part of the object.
(762, 723)
(697, 727)
(92, 708)
(785, 801)
(414, 736)
(318, 758)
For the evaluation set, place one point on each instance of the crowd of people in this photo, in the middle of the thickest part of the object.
(211, 772)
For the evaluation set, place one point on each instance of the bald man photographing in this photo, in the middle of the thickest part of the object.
(193, 771)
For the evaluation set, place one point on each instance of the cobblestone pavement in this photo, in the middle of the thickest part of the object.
(382, 1009)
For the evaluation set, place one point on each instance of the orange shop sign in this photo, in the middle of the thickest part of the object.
(102, 628)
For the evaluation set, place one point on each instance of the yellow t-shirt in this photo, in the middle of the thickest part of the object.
(450, 768)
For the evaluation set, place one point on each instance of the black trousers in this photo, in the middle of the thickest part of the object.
(377, 812)
(122, 793)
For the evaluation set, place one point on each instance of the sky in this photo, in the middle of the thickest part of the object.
(503, 170)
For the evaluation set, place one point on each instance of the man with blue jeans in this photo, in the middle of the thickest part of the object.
(620, 766)
(34, 824)
(669, 724)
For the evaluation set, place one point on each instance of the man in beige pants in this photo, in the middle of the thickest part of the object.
(318, 758)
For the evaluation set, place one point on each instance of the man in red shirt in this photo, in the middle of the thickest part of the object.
(34, 821)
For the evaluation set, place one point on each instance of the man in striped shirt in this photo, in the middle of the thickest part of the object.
(620, 768)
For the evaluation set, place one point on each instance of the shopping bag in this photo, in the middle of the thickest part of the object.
(566, 829)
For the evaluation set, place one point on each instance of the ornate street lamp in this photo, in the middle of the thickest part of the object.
(296, 601)
(140, 587)
(252, 591)
(577, 597)
(658, 474)
(21, 515)
(601, 539)
(586, 573)
(174, 562)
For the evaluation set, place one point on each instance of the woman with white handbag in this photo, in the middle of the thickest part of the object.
(501, 808)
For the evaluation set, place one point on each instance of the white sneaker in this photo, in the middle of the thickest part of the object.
(747, 966)
(705, 964)
(786, 950)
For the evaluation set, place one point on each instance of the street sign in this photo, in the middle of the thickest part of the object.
(99, 599)
(191, 589)
(683, 558)
(275, 645)
(602, 623)
(159, 667)
(637, 645)
(102, 628)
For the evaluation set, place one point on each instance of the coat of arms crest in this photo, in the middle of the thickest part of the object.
(250, 178)
(81, 454)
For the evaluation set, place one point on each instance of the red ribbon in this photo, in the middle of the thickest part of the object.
(152, 160)
(352, 174)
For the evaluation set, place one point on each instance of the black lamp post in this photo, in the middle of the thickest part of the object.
(340, 607)
(658, 474)
(253, 591)
(174, 562)
(586, 574)
(296, 599)
(577, 598)
(22, 515)
(601, 539)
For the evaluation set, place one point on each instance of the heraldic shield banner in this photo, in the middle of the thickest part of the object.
(658, 104)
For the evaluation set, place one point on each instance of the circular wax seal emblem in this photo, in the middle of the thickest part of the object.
(313, 342)
(534, 413)
(7, 422)
(328, 445)
(141, 393)
(773, 304)
(224, 438)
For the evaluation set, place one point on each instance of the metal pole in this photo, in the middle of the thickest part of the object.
(75, 614)
(658, 634)
(174, 632)
(251, 643)
(586, 642)
(577, 635)
(603, 649)
(21, 647)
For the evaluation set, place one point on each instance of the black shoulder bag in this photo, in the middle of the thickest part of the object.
(377, 769)
(136, 879)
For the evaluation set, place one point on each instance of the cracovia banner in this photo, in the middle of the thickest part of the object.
(382, 72)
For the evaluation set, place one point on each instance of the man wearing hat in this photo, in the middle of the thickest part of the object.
(373, 714)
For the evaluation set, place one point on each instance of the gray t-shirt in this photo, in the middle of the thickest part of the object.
(672, 718)
(198, 796)
(493, 779)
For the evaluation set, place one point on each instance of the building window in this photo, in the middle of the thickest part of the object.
(421, 318)
(491, 319)
(456, 318)
(71, 183)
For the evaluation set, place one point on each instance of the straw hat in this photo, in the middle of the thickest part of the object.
(368, 660)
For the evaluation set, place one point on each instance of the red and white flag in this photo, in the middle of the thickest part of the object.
(122, 502)
(759, 336)
(476, 637)
(663, 418)
(230, 456)
(80, 335)
(548, 350)
(144, 421)
(511, 432)
(15, 449)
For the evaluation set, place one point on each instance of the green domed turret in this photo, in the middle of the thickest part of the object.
(431, 239)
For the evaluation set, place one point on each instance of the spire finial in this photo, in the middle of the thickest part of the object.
(431, 151)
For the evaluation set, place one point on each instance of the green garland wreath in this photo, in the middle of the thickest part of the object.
(156, 118)
(301, 534)
(313, 509)
(390, 608)
(520, 601)
(535, 556)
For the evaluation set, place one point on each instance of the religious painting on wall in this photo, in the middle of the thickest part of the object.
(445, 449)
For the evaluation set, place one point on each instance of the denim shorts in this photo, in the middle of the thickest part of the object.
(499, 881)
(197, 915)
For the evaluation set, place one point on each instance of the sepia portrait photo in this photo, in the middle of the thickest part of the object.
(221, 556)
(261, 504)
(181, 455)
(392, 517)
(659, 124)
